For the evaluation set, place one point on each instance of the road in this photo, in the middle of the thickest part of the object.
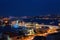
(30, 37)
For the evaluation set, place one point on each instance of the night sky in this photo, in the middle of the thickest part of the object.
(29, 7)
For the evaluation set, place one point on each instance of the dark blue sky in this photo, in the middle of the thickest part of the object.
(26, 7)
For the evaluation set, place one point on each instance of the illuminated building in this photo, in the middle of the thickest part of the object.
(21, 23)
(14, 24)
(29, 24)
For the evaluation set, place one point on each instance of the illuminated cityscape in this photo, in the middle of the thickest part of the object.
(28, 27)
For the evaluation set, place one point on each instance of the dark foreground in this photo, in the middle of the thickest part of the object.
(54, 36)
